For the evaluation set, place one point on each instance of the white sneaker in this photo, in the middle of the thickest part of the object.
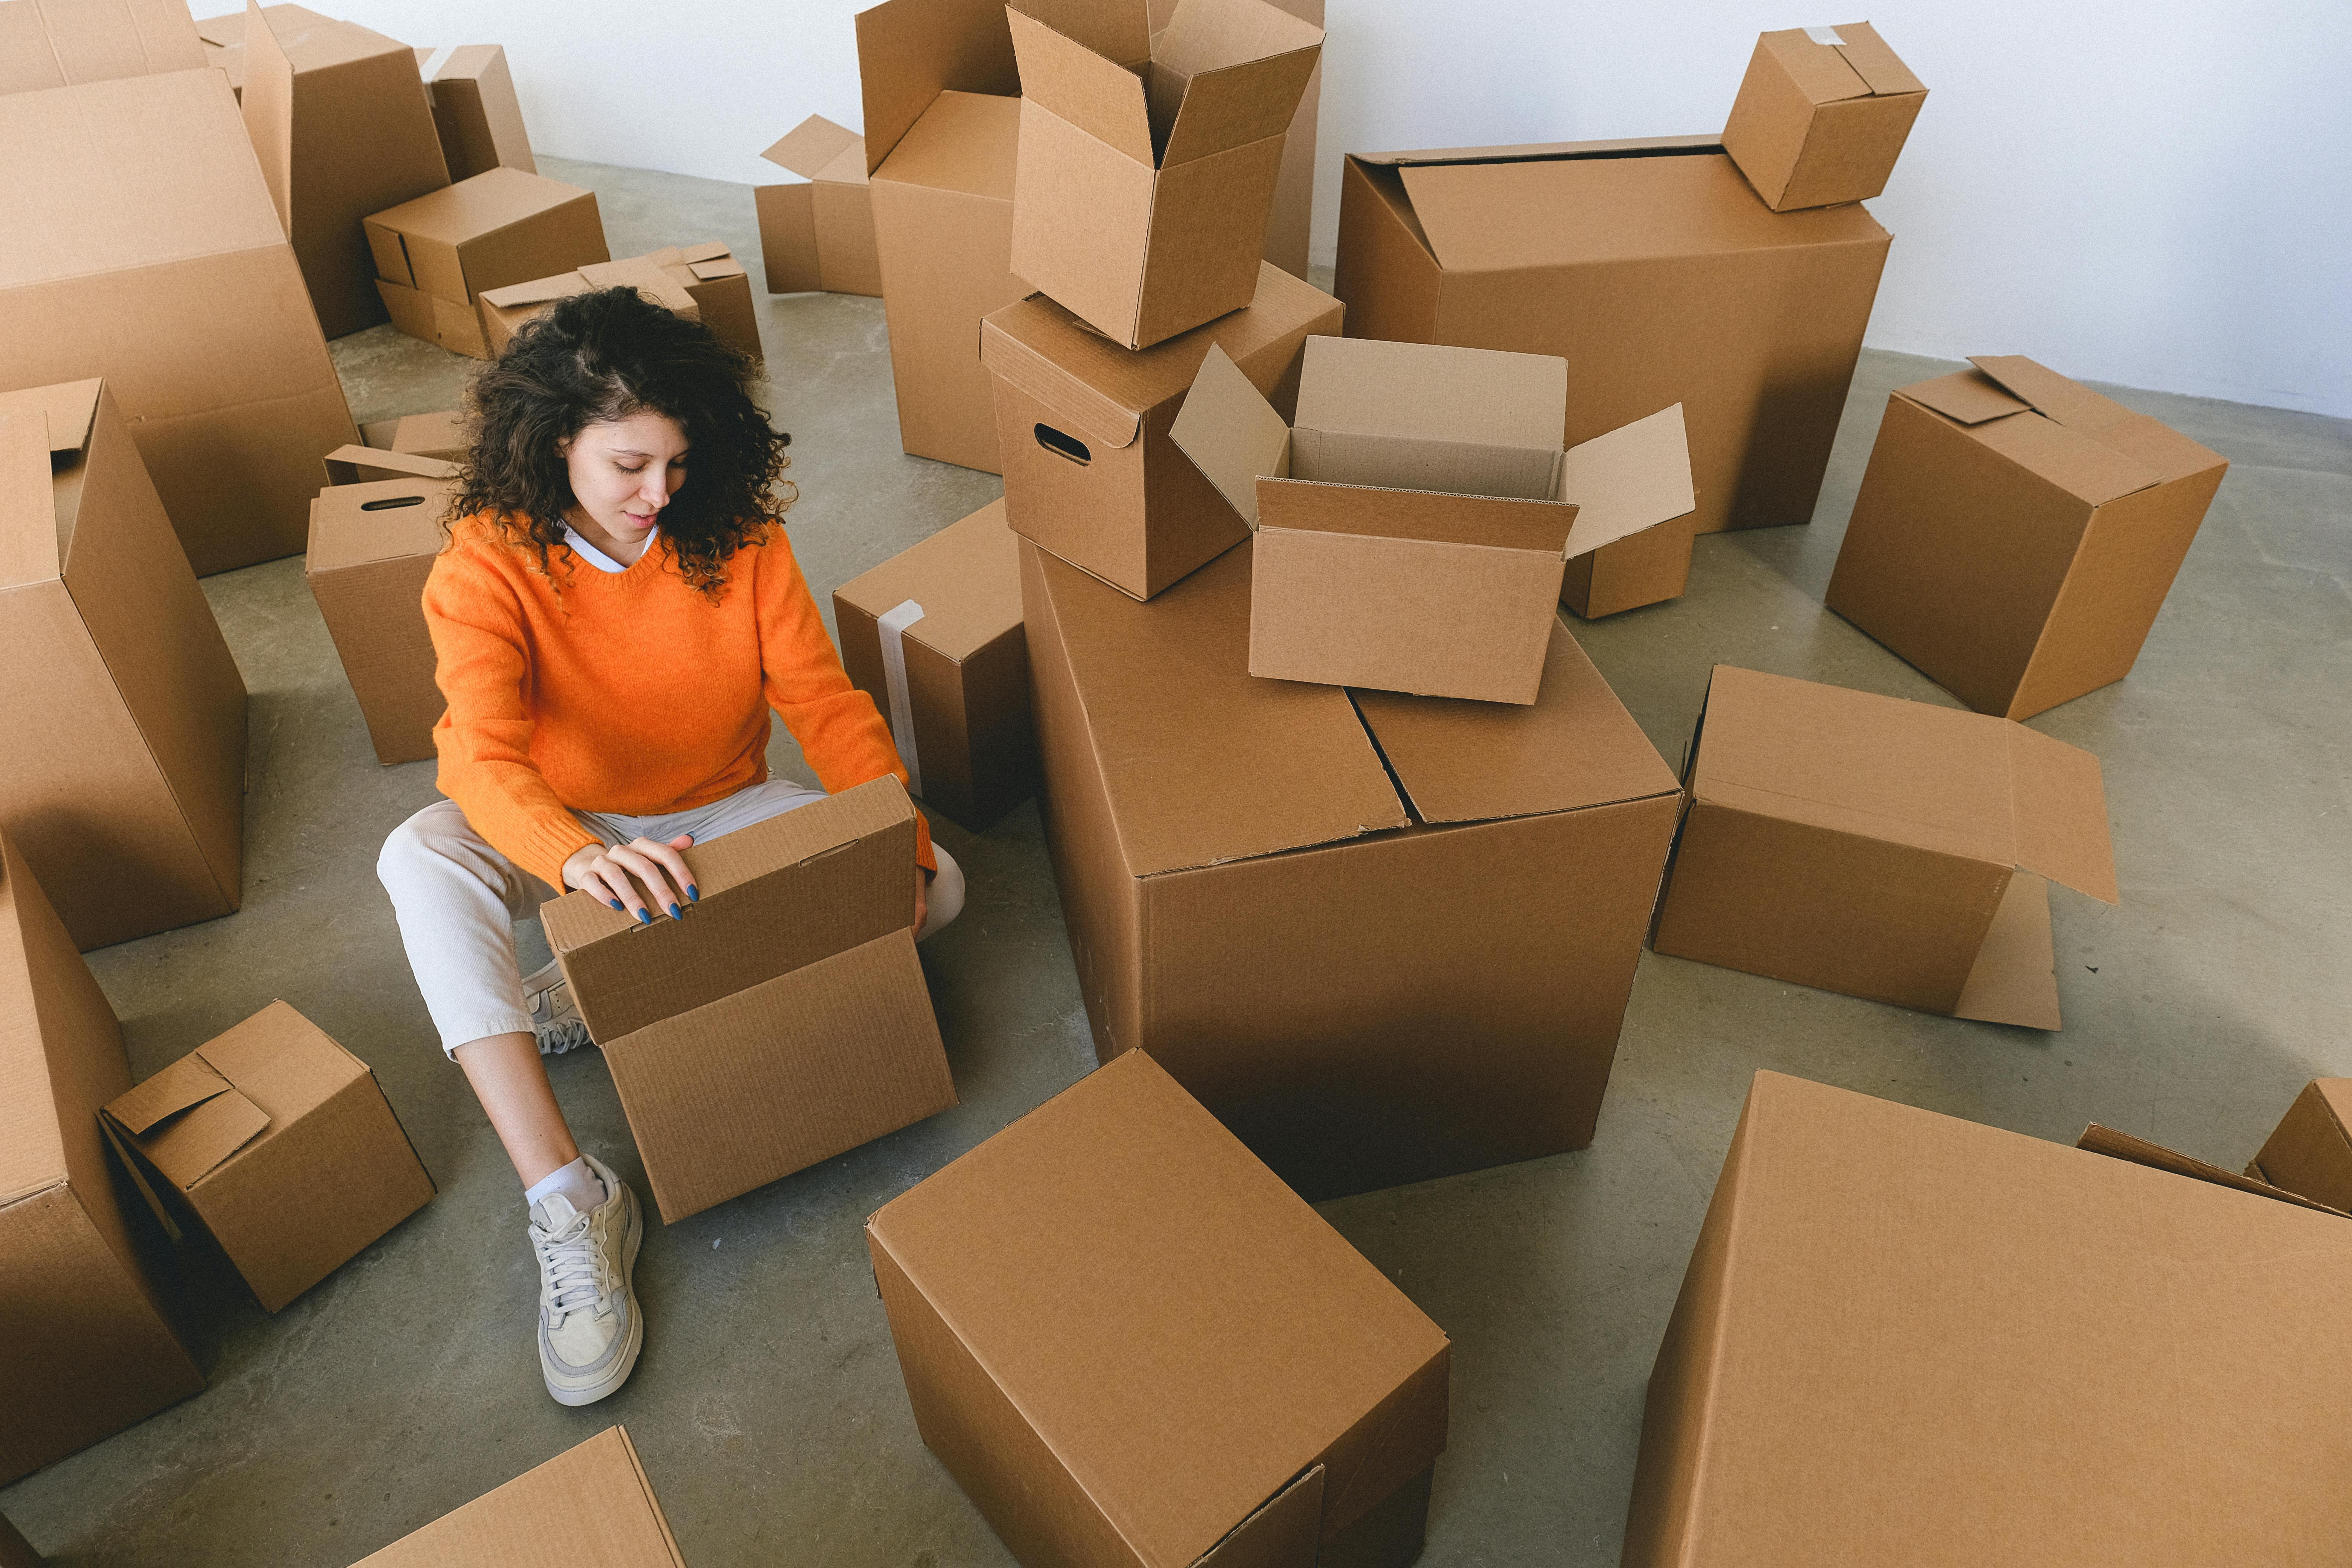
(589, 1327)
(554, 1018)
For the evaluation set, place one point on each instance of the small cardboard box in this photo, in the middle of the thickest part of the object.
(1822, 116)
(130, 802)
(819, 235)
(589, 1507)
(439, 434)
(2311, 1153)
(933, 635)
(87, 1347)
(1907, 1339)
(1883, 848)
(1225, 1380)
(2016, 534)
(46, 45)
(1413, 527)
(474, 111)
(784, 1019)
(702, 282)
(435, 256)
(1149, 161)
(279, 1141)
(374, 541)
(1083, 429)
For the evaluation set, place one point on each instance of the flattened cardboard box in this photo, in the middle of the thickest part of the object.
(1496, 865)
(702, 282)
(1821, 115)
(45, 44)
(1883, 848)
(2311, 1153)
(131, 807)
(373, 545)
(820, 233)
(784, 1019)
(475, 110)
(2016, 534)
(1904, 1338)
(436, 255)
(1227, 1380)
(589, 1507)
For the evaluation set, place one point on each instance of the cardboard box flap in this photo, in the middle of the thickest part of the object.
(437, 434)
(30, 551)
(1872, 61)
(1098, 95)
(2060, 809)
(65, 43)
(2055, 397)
(1231, 433)
(2082, 466)
(910, 51)
(966, 577)
(362, 465)
(68, 409)
(810, 148)
(2310, 1150)
(1967, 396)
(640, 273)
(710, 271)
(1226, 73)
(1433, 392)
(1817, 65)
(2014, 979)
(378, 520)
(187, 1119)
(2161, 447)
(709, 250)
(1636, 476)
(537, 291)
(186, 1083)
(1285, 1531)
(1096, 413)
(2157, 1157)
(1542, 152)
(1374, 512)
(495, 199)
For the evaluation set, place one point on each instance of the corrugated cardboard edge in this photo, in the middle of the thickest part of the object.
(653, 1503)
(2106, 1140)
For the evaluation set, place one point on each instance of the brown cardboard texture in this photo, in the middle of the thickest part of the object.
(439, 434)
(2311, 1153)
(474, 111)
(589, 1507)
(1148, 162)
(1289, 1392)
(819, 235)
(86, 1346)
(130, 803)
(140, 245)
(1883, 848)
(364, 465)
(64, 43)
(1821, 115)
(1497, 865)
(1412, 525)
(373, 545)
(933, 635)
(702, 282)
(1653, 269)
(2156, 1157)
(784, 1019)
(1904, 1338)
(1083, 427)
(2016, 534)
(436, 255)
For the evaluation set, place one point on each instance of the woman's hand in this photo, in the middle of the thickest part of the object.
(606, 872)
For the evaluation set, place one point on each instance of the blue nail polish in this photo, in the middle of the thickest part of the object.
(693, 894)
(676, 913)
(614, 903)
(646, 918)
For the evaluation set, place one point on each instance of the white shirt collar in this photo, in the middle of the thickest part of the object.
(594, 556)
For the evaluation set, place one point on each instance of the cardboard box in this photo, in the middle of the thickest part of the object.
(1904, 1338)
(142, 248)
(15, 1552)
(474, 111)
(86, 1346)
(702, 282)
(436, 255)
(1653, 269)
(439, 434)
(366, 465)
(1413, 527)
(1822, 116)
(374, 541)
(64, 43)
(784, 1019)
(2016, 534)
(1148, 162)
(2156, 1157)
(1288, 226)
(1083, 429)
(819, 235)
(1382, 938)
(131, 804)
(1883, 849)
(1226, 1379)
(589, 1507)
(933, 635)
(2311, 1153)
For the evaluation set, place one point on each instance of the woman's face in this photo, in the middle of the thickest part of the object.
(624, 471)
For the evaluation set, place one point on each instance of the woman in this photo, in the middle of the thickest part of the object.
(611, 634)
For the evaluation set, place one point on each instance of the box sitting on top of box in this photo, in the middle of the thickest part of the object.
(436, 256)
(589, 1507)
(702, 282)
(376, 532)
(819, 235)
(1821, 115)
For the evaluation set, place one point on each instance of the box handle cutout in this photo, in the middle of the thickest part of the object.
(1068, 447)
(391, 502)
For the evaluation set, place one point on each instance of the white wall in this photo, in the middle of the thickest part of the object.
(2156, 193)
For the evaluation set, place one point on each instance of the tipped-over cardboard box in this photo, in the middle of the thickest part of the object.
(1904, 1338)
(436, 254)
(1822, 116)
(589, 1507)
(475, 110)
(702, 282)
(439, 434)
(1083, 429)
(64, 43)
(1383, 938)
(2016, 534)
(124, 775)
(1883, 848)
(2311, 1153)
(374, 541)
(784, 1019)
(1224, 1381)
(820, 233)
(1149, 161)
(86, 1344)
(933, 635)
(1653, 269)
(1414, 526)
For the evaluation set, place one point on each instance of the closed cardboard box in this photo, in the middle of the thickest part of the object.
(702, 282)
(2016, 534)
(373, 545)
(475, 110)
(1880, 847)
(1821, 115)
(2311, 1153)
(1224, 1380)
(131, 805)
(933, 635)
(589, 1507)
(1382, 938)
(819, 234)
(56, 44)
(436, 255)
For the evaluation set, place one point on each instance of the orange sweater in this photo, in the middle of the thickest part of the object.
(630, 693)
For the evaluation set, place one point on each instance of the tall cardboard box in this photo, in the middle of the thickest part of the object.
(474, 111)
(1288, 226)
(589, 1507)
(1904, 1338)
(1883, 848)
(436, 255)
(819, 234)
(2016, 534)
(124, 780)
(86, 1346)
(933, 635)
(1821, 115)
(373, 545)
(63, 43)
(702, 282)
(1224, 1379)
(2311, 1153)
(1382, 938)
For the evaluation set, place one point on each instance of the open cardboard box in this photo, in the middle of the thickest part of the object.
(374, 536)
(2311, 1153)
(475, 110)
(55, 45)
(436, 254)
(589, 1507)
(819, 235)
(440, 435)
(1821, 115)
(702, 282)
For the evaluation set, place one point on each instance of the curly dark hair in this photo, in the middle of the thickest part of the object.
(604, 355)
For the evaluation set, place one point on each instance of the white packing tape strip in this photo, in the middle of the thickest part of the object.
(894, 627)
(439, 58)
(1825, 35)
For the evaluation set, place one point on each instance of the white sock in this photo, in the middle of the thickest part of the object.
(580, 1187)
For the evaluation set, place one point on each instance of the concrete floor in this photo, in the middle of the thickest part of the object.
(768, 1406)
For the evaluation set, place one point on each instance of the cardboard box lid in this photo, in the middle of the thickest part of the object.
(379, 520)
(2088, 445)
(65, 43)
(817, 149)
(966, 577)
(361, 464)
(967, 143)
(589, 1507)
(1830, 65)
(911, 51)
(312, 42)
(483, 205)
(646, 274)
(437, 433)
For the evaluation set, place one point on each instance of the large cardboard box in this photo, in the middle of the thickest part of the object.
(1821, 115)
(140, 245)
(1415, 527)
(1904, 1338)
(64, 43)
(589, 1507)
(1083, 427)
(374, 541)
(784, 1019)
(702, 282)
(1149, 161)
(819, 234)
(436, 255)
(1225, 1380)
(124, 778)
(2311, 1153)
(1883, 848)
(1654, 270)
(2016, 534)
(1383, 938)
(933, 635)
(475, 110)
(86, 1346)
